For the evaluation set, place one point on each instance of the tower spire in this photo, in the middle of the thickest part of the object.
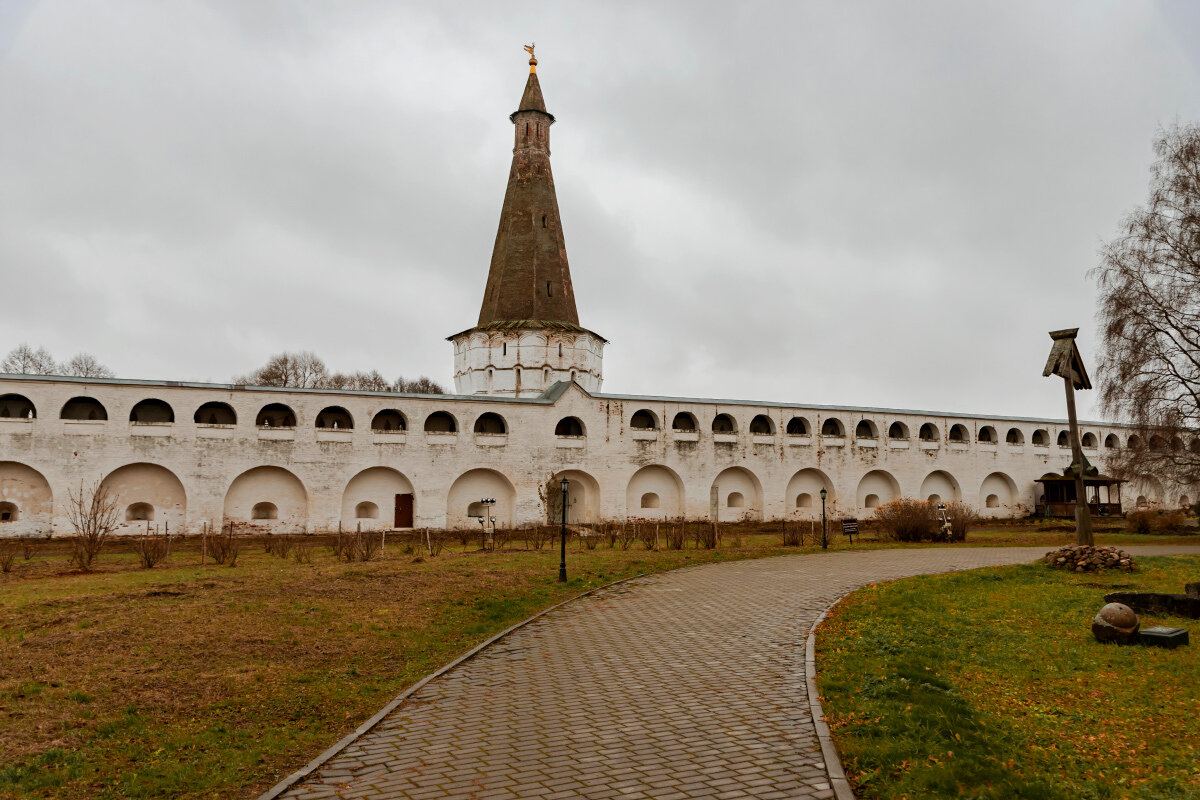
(528, 337)
(529, 278)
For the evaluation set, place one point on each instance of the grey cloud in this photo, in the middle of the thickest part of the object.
(868, 204)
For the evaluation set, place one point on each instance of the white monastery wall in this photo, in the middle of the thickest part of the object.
(300, 477)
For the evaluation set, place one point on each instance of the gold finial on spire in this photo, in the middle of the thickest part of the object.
(532, 57)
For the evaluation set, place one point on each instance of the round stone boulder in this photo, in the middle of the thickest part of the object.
(1116, 622)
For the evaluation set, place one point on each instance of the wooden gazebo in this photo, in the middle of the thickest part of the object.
(1058, 493)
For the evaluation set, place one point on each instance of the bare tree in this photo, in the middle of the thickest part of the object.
(306, 370)
(93, 514)
(85, 365)
(24, 360)
(302, 370)
(421, 385)
(1149, 281)
(358, 381)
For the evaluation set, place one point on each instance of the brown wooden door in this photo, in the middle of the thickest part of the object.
(404, 511)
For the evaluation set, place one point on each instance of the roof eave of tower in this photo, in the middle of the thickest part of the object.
(513, 116)
(528, 325)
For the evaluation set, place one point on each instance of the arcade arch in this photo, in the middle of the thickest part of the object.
(388, 490)
(583, 498)
(739, 495)
(257, 491)
(876, 488)
(998, 492)
(27, 497)
(152, 411)
(144, 491)
(664, 484)
(83, 408)
(803, 496)
(469, 490)
(940, 486)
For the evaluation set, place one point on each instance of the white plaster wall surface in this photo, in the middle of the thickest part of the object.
(446, 470)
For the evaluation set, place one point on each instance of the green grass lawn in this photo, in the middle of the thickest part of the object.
(988, 684)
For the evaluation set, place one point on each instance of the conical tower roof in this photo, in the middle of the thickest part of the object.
(529, 280)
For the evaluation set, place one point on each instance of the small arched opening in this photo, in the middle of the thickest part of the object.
(928, 432)
(569, 426)
(152, 411)
(1089, 441)
(723, 423)
(804, 500)
(275, 415)
(264, 510)
(650, 500)
(440, 422)
(736, 500)
(761, 425)
(83, 408)
(833, 427)
(797, 426)
(987, 435)
(1041, 438)
(643, 420)
(1111, 442)
(898, 431)
(389, 421)
(139, 512)
(366, 510)
(992, 501)
(9, 512)
(17, 406)
(1064, 440)
(1014, 436)
(865, 429)
(214, 413)
(335, 418)
(958, 434)
(684, 422)
(491, 424)
(1134, 442)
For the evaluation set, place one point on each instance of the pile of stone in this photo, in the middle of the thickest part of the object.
(1088, 558)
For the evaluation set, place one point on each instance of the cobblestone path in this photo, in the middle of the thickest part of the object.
(687, 684)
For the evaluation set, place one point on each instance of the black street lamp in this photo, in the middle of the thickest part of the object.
(824, 535)
(562, 534)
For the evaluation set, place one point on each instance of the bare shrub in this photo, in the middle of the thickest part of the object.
(962, 517)
(908, 520)
(1145, 522)
(223, 546)
(435, 543)
(648, 536)
(358, 545)
(706, 535)
(8, 554)
(28, 547)
(537, 537)
(793, 536)
(152, 548)
(303, 552)
(676, 534)
(93, 515)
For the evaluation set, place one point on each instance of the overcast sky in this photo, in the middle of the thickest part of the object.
(870, 204)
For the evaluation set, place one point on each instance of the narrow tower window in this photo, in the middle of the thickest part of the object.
(504, 349)
(543, 220)
(549, 289)
(560, 349)
(526, 130)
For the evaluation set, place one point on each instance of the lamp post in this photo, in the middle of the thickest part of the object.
(824, 535)
(562, 534)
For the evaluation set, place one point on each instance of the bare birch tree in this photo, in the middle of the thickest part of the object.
(1149, 281)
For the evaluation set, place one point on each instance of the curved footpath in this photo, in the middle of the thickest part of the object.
(685, 684)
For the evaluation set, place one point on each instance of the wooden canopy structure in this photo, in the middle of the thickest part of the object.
(1057, 498)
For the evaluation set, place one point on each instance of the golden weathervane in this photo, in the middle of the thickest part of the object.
(532, 57)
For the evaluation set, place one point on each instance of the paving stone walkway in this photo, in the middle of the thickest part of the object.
(687, 684)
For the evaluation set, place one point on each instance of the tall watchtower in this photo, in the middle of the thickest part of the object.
(528, 335)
